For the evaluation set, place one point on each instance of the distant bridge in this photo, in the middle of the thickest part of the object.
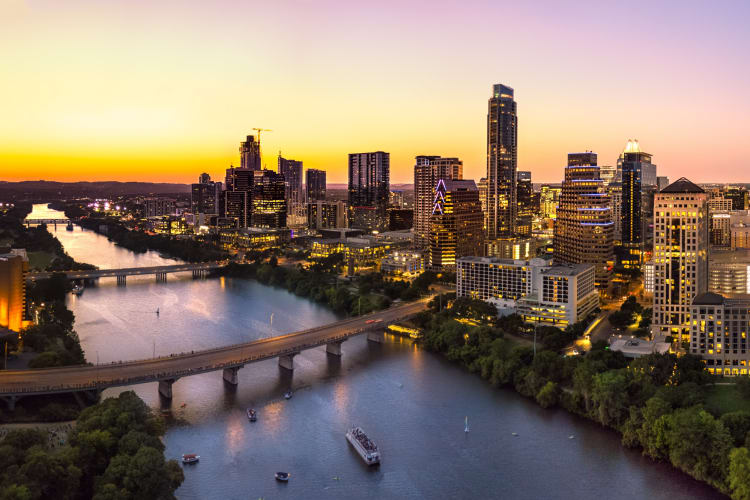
(91, 380)
(199, 270)
(29, 222)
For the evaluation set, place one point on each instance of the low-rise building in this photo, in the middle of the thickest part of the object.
(556, 295)
(253, 237)
(636, 348)
(359, 253)
(407, 263)
(718, 333)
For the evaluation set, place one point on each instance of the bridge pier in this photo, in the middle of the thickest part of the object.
(121, 279)
(10, 402)
(165, 387)
(287, 361)
(199, 273)
(230, 375)
(376, 336)
(161, 276)
(334, 348)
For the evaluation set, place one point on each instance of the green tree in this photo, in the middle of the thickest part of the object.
(739, 474)
(548, 395)
(738, 425)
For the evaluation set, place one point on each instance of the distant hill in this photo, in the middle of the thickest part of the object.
(92, 188)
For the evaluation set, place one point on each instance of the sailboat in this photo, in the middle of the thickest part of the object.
(466, 424)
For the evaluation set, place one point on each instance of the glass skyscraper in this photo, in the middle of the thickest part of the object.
(502, 158)
(369, 189)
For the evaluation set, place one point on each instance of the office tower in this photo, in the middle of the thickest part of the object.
(428, 170)
(455, 224)
(369, 186)
(525, 211)
(292, 172)
(315, 183)
(250, 153)
(205, 196)
(718, 333)
(502, 158)
(637, 174)
(13, 269)
(614, 190)
(235, 206)
(239, 179)
(662, 182)
(608, 173)
(583, 228)
(549, 198)
(680, 256)
(269, 209)
(555, 295)
(738, 195)
(326, 215)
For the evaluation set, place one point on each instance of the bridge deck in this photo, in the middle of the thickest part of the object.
(129, 271)
(80, 378)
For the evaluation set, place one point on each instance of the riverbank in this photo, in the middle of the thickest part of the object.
(655, 403)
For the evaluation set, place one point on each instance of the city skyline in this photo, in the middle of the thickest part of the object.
(165, 104)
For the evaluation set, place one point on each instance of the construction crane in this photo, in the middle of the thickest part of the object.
(259, 130)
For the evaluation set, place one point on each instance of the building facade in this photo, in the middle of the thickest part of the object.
(638, 173)
(13, 269)
(269, 208)
(326, 215)
(556, 295)
(583, 231)
(718, 333)
(428, 170)
(315, 184)
(205, 196)
(502, 159)
(680, 256)
(250, 153)
(456, 223)
(369, 188)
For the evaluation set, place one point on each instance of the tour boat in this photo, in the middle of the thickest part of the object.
(282, 476)
(190, 458)
(251, 415)
(364, 447)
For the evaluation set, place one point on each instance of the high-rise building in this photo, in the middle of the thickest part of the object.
(524, 192)
(583, 228)
(455, 224)
(680, 256)
(269, 209)
(607, 174)
(502, 158)
(738, 195)
(205, 196)
(428, 170)
(369, 187)
(13, 269)
(637, 174)
(292, 172)
(235, 206)
(482, 185)
(315, 183)
(250, 153)
(239, 179)
(549, 198)
(326, 215)
(614, 190)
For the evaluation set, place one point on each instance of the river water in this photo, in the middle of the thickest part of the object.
(412, 403)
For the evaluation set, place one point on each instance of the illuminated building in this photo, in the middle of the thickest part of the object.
(525, 213)
(359, 253)
(168, 224)
(396, 199)
(718, 333)
(250, 153)
(648, 277)
(369, 188)
(721, 228)
(511, 248)
(456, 224)
(728, 272)
(205, 196)
(614, 190)
(326, 215)
(680, 255)
(253, 237)
(482, 186)
(268, 202)
(407, 263)
(549, 197)
(556, 295)
(13, 269)
(583, 228)
(607, 173)
(428, 170)
(738, 195)
(719, 203)
(155, 207)
(315, 184)
(638, 173)
(502, 158)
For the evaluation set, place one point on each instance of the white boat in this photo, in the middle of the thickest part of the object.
(466, 424)
(288, 395)
(366, 448)
(190, 458)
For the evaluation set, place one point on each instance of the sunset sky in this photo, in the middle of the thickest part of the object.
(165, 90)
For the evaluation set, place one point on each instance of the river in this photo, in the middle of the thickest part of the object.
(412, 403)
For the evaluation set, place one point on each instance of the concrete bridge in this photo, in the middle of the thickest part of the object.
(91, 380)
(199, 270)
(55, 222)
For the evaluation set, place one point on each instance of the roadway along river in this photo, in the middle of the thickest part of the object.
(412, 404)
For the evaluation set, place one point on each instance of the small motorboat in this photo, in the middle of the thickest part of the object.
(288, 395)
(190, 458)
(252, 415)
(282, 476)
(571, 436)
(77, 290)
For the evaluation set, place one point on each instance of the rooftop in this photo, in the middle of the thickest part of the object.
(682, 185)
(708, 299)
(635, 348)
